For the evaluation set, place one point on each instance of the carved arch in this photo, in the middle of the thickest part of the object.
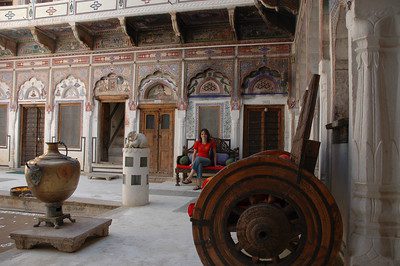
(210, 82)
(159, 86)
(264, 81)
(70, 88)
(112, 86)
(4, 91)
(32, 89)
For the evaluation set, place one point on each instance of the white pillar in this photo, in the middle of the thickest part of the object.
(374, 132)
(135, 186)
(88, 152)
(12, 115)
(235, 115)
(180, 135)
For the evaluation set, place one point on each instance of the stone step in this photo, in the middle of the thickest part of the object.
(107, 176)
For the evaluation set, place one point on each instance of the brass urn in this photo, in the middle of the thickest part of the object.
(53, 178)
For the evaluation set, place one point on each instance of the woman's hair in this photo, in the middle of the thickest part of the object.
(207, 133)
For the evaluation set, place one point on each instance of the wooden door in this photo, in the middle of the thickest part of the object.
(32, 135)
(158, 126)
(263, 129)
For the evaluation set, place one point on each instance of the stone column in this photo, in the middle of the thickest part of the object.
(374, 132)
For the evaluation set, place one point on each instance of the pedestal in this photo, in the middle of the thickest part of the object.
(135, 185)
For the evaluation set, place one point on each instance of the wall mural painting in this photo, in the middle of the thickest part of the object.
(70, 88)
(209, 82)
(193, 68)
(192, 118)
(4, 91)
(264, 81)
(158, 86)
(32, 90)
(112, 85)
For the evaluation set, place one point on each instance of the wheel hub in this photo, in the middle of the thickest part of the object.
(263, 231)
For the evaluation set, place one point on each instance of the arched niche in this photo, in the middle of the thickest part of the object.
(70, 88)
(158, 86)
(32, 90)
(209, 82)
(112, 87)
(4, 92)
(264, 81)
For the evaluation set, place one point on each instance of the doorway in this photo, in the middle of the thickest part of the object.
(32, 134)
(158, 126)
(112, 127)
(263, 128)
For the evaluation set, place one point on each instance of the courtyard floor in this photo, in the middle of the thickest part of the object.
(159, 233)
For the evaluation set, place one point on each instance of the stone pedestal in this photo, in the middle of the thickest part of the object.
(68, 238)
(135, 187)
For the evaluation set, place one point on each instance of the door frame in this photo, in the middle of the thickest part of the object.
(21, 120)
(281, 107)
(159, 107)
(101, 101)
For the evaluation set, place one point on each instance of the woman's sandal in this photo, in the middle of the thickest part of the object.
(187, 181)
(196, 188)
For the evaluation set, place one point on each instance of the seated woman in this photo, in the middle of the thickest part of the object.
(201, 157)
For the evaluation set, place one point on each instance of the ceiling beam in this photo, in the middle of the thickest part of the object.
(83, 35)
(45, 39)
(125, 30)
(231, 13)
(8, 44)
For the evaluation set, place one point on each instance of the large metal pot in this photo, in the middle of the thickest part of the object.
(53, 177)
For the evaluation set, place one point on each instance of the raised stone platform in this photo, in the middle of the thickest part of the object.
(68, 238)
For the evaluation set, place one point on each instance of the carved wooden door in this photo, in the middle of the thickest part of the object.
(32, 135)
(158, 126)
(263, 129)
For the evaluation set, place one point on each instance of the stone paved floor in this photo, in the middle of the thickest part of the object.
(155, 234)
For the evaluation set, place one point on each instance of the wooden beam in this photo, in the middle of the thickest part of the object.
(83, 35)
(45, 39)
(8, 44)
(231, 13)
(125, 30)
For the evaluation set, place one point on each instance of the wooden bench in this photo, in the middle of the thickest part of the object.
(223, 147)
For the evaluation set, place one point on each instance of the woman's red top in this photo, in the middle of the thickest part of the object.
(203, 150)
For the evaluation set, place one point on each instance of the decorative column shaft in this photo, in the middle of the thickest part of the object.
(374, 153)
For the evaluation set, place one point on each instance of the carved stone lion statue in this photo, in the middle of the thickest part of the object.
(136, 140)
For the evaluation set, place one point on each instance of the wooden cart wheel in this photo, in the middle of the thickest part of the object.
(255, 213)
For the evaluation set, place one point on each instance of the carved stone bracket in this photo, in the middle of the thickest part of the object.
(124, 28)
(175, 27)
(83, 35)
(8, 44)
(231, 13)
(45, 40)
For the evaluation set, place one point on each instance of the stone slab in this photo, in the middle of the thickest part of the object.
(107, 176)
(68, 238)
